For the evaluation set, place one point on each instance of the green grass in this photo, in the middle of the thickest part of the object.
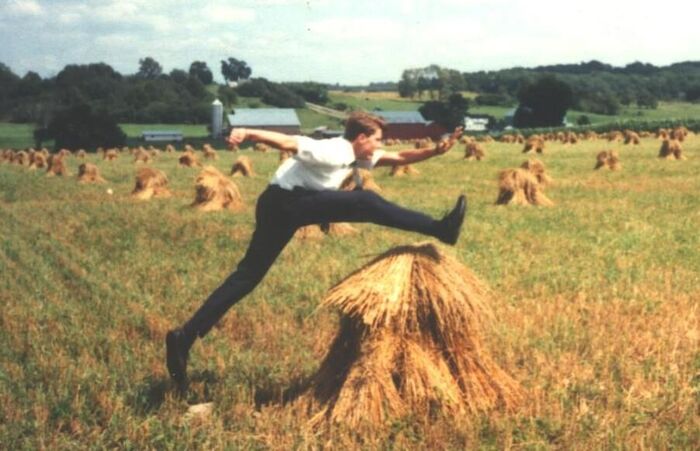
(251, 102)
(596, 301)
(16, 135)
(665, 111)
(188, 130)
(20, 135)
(496, 111)
(311, 119)
(371, 101)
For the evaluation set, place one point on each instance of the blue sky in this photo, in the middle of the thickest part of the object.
(344, 41)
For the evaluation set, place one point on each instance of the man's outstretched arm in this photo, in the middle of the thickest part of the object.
(415, 155)
(275, 139)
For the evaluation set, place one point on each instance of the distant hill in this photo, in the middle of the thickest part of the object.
(598, 87)
(636, 68)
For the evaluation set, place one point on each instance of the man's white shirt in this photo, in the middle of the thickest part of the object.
(318, 164)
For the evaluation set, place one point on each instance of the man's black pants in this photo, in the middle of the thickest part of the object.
(278, 214)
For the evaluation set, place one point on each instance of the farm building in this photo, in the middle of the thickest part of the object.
(409, 125)
(217, 118)
(476, 123)
(161, 135)
(283, 120)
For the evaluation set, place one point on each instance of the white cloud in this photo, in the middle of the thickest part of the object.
(228, 14)
(452, 31)
(117, 11)
(125, 14)
(68, 18)
(116, 41)
(344, 40)
(290, 3)
(25, 7)
(350, 29)
(159, 23)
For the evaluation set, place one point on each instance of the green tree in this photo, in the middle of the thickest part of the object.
(199, 69)
(440, 83)
(543, 103)
(450, 82)
(646, 99)
(32, 102)
(30, 85)
(310, 91)
(227, 95)
(149, 68)
(179, 76)
(195, 87)
(8, 86)
(449, 113)
(602, 101)
(271, 93)
(424, 84)
(234, 69)
(692, 94)
(80, 127)
(408, 86)
(96, 84)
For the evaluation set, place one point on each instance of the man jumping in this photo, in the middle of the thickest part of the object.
(304, 191)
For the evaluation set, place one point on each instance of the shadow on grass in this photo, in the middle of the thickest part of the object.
(201, 386)
(281, 394)
(149, 395)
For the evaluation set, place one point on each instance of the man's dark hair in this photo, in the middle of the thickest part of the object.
(362, 123)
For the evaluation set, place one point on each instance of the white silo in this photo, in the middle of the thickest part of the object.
(217, 118)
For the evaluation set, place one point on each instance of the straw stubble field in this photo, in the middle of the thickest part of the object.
(595, 301)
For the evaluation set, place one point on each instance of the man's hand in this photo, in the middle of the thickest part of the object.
(237, 136)
(446, 144)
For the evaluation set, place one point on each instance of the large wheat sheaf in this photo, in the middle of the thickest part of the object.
(410, 341)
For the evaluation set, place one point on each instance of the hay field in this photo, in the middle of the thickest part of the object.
(596, 301)
(16, 136)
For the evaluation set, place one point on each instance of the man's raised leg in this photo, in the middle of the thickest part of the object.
(368, 206)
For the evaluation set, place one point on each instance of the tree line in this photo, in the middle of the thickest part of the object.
(148, 96)
(596, 87)
(82, 104)
(542, 94)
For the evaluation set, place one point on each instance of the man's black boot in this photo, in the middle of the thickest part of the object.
(451, 224)
(177, 348)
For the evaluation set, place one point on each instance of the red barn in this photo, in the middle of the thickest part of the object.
(409, 125)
